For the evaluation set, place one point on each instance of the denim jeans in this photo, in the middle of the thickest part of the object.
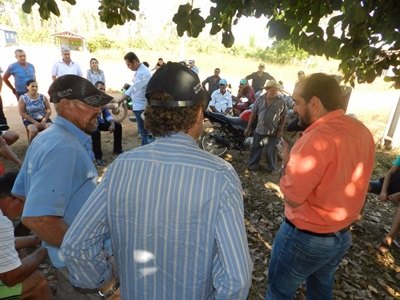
(298, 257)
(256, 151)
(146, 139)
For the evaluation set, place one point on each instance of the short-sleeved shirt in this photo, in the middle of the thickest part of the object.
(9, 259)
(328, 173)
(396, 162)
(221, 101)
(61, 68)
(137, 90)
(258, 82)
(21, 75)
(57, 176)
(269, 118)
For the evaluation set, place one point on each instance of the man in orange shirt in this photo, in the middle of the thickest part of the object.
(325, 181)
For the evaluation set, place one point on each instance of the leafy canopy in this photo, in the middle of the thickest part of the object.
(363, 34)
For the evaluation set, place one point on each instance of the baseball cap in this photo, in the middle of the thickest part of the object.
(182, 84)
(223, 82)
(272, 84)
(76, 87)
(243, 81)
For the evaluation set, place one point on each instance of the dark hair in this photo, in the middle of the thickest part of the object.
(98, 83)
(30, 81)
(325, 88)
(93, 59)
(162, 121)
(7, 183)
(146, 63)
(131, 57)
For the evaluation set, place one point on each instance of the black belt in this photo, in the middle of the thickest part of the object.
(329, 234)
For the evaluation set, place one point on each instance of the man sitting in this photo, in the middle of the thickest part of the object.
(221, 99)
(19, 278)
(106, 123)
(388, 189)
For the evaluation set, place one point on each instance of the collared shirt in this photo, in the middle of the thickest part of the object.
(93, 77)
(269, 117)
(221, 101)
(137, 90)
(175, 215)
(328, 173)
(21, 75)
(9, 259)
(57, 176)
(61, 68)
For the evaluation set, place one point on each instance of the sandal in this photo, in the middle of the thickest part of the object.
(383, 247)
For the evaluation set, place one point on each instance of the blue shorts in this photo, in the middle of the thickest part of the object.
(394, 185)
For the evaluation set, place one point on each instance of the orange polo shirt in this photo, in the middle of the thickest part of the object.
(328, 173)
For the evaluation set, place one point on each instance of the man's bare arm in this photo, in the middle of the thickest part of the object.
(29, 265)
(50, 229)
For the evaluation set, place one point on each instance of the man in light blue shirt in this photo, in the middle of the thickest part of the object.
(137, 92)
(174, 212)
(58, 174)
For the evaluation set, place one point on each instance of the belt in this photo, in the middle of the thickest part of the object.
(329, 234)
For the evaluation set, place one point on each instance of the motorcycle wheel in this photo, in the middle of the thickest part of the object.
(208, 142)
(119, 112)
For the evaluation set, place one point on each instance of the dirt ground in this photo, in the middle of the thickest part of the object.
(363, 274)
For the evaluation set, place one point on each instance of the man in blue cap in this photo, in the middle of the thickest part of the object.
(221, 99)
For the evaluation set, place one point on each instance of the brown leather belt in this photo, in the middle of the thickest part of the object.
(329, 234)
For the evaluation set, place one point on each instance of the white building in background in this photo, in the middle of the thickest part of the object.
(8, 36)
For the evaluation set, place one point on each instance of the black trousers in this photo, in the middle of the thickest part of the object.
(3, 120)
(96, 139)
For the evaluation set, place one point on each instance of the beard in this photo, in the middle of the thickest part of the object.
(305, 119)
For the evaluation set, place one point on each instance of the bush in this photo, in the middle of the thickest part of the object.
(100, 42)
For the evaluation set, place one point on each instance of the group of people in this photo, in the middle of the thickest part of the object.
(34, 107)
(167, 219)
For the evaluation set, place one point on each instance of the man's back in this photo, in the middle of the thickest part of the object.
(179, 211)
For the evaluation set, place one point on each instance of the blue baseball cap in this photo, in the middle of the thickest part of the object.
(223, 82)
(243, 81)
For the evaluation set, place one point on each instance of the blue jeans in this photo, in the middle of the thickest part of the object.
(256, 151)
(298, 257)
(146, 139)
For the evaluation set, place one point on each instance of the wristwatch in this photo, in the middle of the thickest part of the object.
(111, 292)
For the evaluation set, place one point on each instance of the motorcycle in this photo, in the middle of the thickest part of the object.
(120, 110)
(225, 133)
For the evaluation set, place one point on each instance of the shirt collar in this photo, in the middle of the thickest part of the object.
(182, 137)
(73, 129)
(325, 119)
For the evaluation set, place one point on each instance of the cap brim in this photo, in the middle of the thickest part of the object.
(97, 100)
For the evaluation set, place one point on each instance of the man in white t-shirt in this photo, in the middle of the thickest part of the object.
(18, 277)
(65, 65)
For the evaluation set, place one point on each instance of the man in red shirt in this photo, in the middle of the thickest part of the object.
(325, 181)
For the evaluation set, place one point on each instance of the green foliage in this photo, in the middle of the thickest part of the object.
(41, 36)
(363, 35)
(281, 52)
(100, 42)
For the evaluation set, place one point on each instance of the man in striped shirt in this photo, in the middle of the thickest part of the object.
(173, 211)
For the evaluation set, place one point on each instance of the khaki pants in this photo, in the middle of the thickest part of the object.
(65, 291)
